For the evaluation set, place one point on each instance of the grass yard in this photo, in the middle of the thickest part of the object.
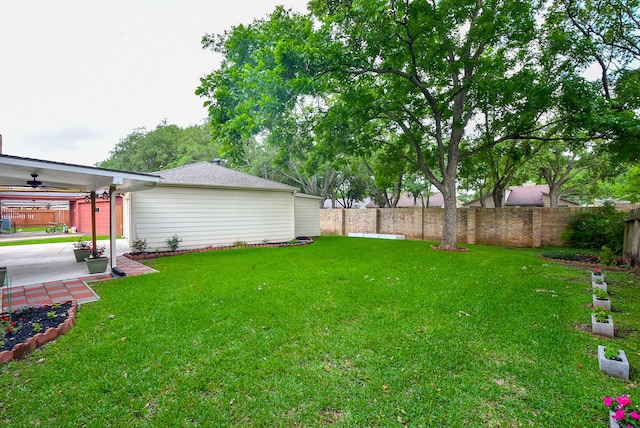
(343, 332)
(54, 238)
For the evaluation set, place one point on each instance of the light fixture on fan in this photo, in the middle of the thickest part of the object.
(34, 183)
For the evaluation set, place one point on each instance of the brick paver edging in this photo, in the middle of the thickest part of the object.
(34, 342)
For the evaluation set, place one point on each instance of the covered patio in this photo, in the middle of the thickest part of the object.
(38, 174)
(46, 273)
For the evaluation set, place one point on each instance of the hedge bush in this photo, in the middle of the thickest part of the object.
(597, 228)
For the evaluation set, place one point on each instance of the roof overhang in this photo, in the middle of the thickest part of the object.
(16, 171)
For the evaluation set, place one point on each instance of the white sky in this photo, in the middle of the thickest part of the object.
(77, 76)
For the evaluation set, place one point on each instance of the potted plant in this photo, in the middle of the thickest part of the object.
(96, 262)
(81, 249)
(613, 362)
(597, 274)
(601, 298)
(599, 283)
(621, 412)
(601, 322)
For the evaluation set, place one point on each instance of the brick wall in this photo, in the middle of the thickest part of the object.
(517, 227)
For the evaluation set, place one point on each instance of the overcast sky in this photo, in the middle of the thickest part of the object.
(76, 76)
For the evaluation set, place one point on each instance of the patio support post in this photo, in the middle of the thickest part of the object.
(112, 226)
(93, 218)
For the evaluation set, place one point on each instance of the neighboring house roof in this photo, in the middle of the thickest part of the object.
(407, 200)
(528, 195)
(356, 204)
(212, 174)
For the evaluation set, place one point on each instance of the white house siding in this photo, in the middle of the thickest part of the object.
(307, 215)
(126, 215)
(204, 217)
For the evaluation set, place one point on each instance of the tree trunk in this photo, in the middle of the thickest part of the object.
(554, 197)
(450, 223)
(498, 197)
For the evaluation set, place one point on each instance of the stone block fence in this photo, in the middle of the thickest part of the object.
(516, 227)
(631, 248)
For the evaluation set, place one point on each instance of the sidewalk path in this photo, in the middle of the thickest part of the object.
(66, 289)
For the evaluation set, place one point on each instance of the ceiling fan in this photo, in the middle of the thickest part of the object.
(34, 183)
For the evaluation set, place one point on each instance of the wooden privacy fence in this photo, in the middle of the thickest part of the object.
(516, 227)
(631, 248)
(28, 218)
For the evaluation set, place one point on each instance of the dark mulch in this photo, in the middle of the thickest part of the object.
(585, 260)
(18, 326)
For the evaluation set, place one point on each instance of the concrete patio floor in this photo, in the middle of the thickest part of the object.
(42, 274)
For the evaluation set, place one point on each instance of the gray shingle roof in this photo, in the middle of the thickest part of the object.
(213, 175)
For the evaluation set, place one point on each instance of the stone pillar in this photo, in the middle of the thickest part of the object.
(471, 226)
(536, 227)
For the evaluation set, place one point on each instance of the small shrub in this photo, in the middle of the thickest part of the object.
(139, 245)
(174, 242)
(607, 257)
(600, 294)
(239, 243)
(593, 229)
(611, 353)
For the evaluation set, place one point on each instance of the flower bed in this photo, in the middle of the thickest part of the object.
(155, 254)
(29, 328)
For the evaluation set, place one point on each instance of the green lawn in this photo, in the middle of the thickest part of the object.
(343, 332)
(54, 238)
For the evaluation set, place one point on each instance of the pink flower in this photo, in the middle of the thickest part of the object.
(608, 401)
(619, 414)
(635, 415)
(623, 400)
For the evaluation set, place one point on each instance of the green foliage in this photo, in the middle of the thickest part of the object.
(596, 228)
(606, 256)
(611, 353)
(601, 313)
(627, 186)
(600, 294)
(139, 245)
(174, 242)
(395, 80)
(167, 146)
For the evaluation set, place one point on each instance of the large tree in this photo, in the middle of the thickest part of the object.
(167, 146)
(419, 70)
(604, 34)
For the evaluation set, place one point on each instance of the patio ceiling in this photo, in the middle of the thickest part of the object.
(16, 171)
